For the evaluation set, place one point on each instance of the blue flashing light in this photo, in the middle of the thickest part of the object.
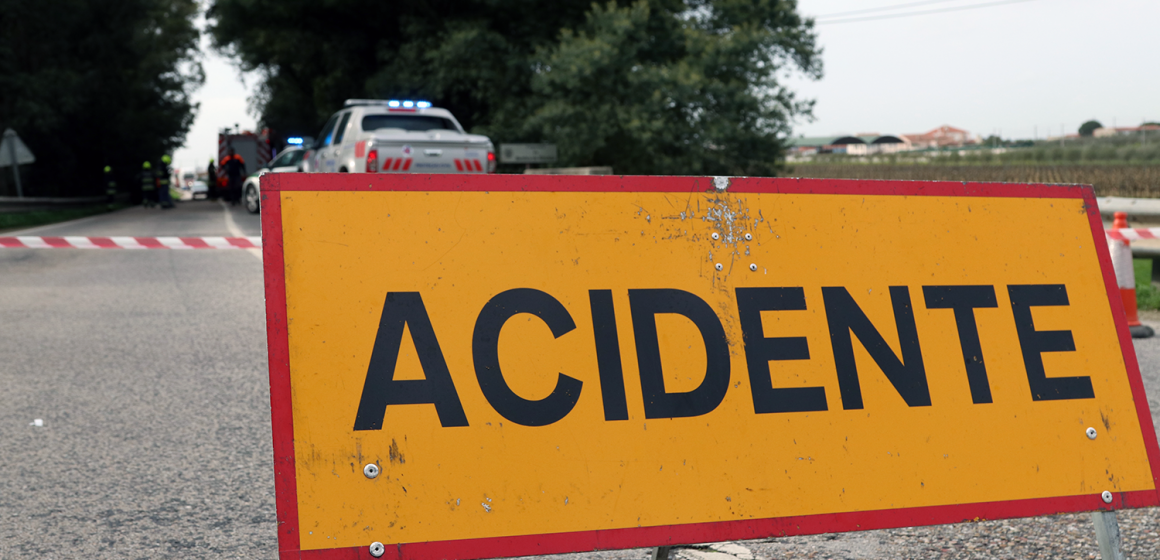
(408, 104)
(423, 104)
(297, 141)
(393, 103)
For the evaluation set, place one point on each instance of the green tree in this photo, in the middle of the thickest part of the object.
(470, 56)
(1087, 128)
(657, 86)
(94, 83)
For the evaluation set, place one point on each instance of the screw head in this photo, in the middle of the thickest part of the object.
(371, 470)
(719, 267)
(753, 267)
(749, 237)
(1106, 497)
(1091, 433)
(377, 549)
(715, 236)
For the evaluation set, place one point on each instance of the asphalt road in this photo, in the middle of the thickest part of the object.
(148, 369)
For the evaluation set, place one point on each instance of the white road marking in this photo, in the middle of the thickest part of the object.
(717, 551)
(734, 549)
(235, 231)
(694, 554)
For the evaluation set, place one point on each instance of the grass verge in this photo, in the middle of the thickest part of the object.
(1147, 296)
(20, 220)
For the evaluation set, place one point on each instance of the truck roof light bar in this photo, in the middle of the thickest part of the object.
(392, 103)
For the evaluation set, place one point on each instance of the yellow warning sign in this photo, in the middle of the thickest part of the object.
(547, 362)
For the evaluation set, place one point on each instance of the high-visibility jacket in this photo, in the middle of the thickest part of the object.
(163, 176)
(148, 180)
(110, 184)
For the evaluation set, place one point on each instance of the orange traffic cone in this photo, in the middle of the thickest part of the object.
(1121, 252)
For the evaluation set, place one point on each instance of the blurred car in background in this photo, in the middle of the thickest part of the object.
(290, 160)
(198, 189)
(398, 136)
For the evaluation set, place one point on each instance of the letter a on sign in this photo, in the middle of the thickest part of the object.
(497, 366)
(382, 389)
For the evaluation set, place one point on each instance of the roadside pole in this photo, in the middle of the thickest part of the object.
(1108, 535)
(15, 166)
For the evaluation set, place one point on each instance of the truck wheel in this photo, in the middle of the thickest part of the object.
(251, 200)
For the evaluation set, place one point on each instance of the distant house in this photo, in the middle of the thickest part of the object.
(941, 137)
(1124, 130)
(860, 145)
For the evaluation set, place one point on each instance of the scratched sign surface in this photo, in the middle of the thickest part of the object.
(552, 364)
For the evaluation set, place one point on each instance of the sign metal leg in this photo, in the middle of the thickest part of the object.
(662, 552)
(1108, 535)
(15, 168)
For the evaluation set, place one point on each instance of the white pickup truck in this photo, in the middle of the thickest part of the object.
(379, 136)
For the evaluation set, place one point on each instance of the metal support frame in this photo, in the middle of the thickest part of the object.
(662, 552)
(1108, 535)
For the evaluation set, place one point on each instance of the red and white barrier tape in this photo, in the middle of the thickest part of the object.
(131, 242)
(1133, 234)
(256, 242)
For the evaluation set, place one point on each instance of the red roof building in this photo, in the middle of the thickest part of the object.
(941, 137)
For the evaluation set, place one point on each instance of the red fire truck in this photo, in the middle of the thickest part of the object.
(254, 149)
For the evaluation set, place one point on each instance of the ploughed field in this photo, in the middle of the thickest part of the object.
(1110, 179)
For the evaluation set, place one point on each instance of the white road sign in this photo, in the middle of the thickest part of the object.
(12, 148)
(527, 153)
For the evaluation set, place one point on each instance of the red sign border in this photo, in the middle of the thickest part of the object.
(285, 485)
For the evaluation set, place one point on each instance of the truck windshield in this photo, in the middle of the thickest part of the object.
(414, 123)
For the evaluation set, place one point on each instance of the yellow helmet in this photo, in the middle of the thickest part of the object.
(146, 165)
(108, 169)
(166, 159)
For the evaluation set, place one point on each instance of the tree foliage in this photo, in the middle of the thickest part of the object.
(655, 86)
(1088, 128)
(89, 83)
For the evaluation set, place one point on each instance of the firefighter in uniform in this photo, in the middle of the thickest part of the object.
(235, 169)
(164, 196)
(148, 185)
(110, 185)
(211, 181)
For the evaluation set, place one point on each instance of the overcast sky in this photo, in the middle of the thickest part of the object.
(224, 102)
(1013, 67)
(1018, 68)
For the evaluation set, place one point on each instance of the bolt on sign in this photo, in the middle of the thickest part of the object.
(469, 367)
